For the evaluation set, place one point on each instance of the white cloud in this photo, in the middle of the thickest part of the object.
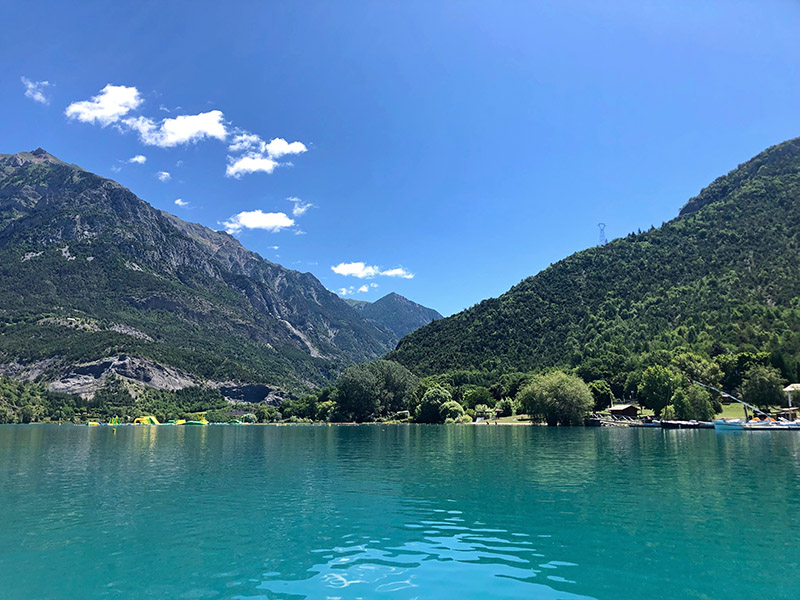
(373, 285)
(182, 129)
(258, 155)
(273, 247)
(300, 208)
(35, 90)
(356, 269)
(364, 271)
(345, 291)
(398, 272)
(109, 106)
(181, 203)
(139, 159)
(256, 219)
(163, 176)
(249, 163)
(244, 141)
(280, 147)
(363, 289)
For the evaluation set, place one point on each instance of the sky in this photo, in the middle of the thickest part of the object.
(443, 150)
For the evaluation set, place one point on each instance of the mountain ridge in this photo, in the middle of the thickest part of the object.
(74, 245)
(731, 253)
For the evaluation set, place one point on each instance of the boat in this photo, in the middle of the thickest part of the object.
(755, 425)
(680, 424)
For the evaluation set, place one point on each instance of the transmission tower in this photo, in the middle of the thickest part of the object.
(602, 227)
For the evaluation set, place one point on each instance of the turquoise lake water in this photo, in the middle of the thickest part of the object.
(397, 512)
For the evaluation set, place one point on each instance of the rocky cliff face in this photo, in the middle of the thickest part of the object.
(91, 272)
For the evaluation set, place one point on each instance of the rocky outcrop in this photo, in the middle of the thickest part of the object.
(87, 378)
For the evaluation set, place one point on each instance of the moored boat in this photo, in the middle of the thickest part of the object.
(755, 425)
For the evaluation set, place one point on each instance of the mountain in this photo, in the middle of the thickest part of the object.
(397, 313)
(722, 277)
(357, 304)
(96, 279)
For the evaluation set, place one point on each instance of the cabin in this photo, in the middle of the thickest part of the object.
(790, 390)
(624, 410)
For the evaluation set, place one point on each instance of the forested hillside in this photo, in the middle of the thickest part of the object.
(721, 278)
(92, 273)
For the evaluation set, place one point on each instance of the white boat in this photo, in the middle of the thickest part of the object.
(741, 425)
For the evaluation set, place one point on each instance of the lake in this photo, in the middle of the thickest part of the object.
(397, 512)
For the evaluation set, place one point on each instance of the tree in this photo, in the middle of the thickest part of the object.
(267, 414)
(763, 387)
(631, 387)
(429, 410)
(478, 395)
(375, 389)
(451, 410)
(698, 368)
(558, 398)
(506, 407)
(693, 403)
(735, 366)
(656, 387)
(31, 413)
(602, 394)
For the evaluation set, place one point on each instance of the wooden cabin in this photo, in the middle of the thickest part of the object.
(624, 410)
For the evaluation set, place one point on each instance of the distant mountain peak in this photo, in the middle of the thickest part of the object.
(398, 313)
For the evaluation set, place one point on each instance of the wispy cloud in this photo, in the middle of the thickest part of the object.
(183, 129)
(349, 291)
(35, 90)
(257, 219)
(398, 272)
(181, 203)
(109, 106)
(300, 208)
(365, 271)
(139, 159)
(163, 176)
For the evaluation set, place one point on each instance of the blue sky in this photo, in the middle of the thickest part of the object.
(441, 150)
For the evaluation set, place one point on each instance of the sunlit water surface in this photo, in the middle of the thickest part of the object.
(397, 512)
